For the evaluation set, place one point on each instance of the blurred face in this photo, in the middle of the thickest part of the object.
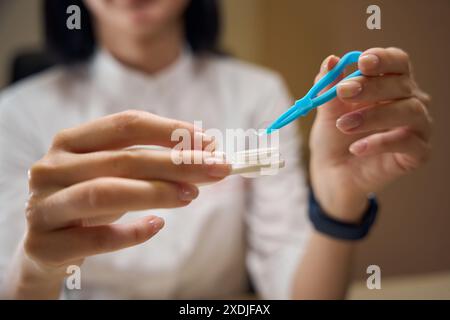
(137, 17)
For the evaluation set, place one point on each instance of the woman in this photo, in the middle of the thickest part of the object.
(70, 125)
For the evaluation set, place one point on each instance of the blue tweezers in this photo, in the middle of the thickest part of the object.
(311, 100)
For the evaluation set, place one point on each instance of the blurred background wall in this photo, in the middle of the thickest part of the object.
(20, 29)
(293, 36)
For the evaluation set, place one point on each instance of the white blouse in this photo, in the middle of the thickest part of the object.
(236, 231)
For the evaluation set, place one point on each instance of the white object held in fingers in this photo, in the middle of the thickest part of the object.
(256, 162)
(251, 163)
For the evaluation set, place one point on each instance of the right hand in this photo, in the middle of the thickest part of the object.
(87, 181)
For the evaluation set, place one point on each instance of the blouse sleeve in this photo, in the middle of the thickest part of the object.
(18, 150)
(277, 222)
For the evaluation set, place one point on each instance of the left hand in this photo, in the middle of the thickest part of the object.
(377, 130)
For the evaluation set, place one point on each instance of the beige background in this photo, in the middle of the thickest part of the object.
(293, 36)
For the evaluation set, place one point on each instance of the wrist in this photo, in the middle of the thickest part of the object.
(35, 273)
(27, 280)
(339, 202)
(344, 208)
(339, 229)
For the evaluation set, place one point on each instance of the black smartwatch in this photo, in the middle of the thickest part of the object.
(338, 229)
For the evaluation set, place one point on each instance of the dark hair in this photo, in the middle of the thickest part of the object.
(201, 24)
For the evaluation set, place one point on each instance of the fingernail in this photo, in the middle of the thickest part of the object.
(358, 147)
(156, 224)
(349, 121)
(203, 136)
(217, 167)
(209, 145)
(369, 60)
(201, 140)
(324, 66)
(187, 192)
(349, 88)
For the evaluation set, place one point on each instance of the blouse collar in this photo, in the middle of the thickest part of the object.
(118, 80)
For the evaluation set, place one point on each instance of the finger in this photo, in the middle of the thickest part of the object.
(415, 151)
(401, 113)
(169, 165)
(327, 64)
(375, 89)
(332, 110)
(71, 244)
(378, 61)
(101, 220)
(125, 129)
(104, 196)
(424, 97)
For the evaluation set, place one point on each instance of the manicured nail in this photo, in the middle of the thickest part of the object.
(217, 167)
(369, 60)
(209, 144)
(187, 193)
(324, 66)
(349, 88)
(349, 121)
(358, 147)
(156, 224)
(201, 140)
(203, 136)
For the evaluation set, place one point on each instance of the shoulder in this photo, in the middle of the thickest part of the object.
(51, 84)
